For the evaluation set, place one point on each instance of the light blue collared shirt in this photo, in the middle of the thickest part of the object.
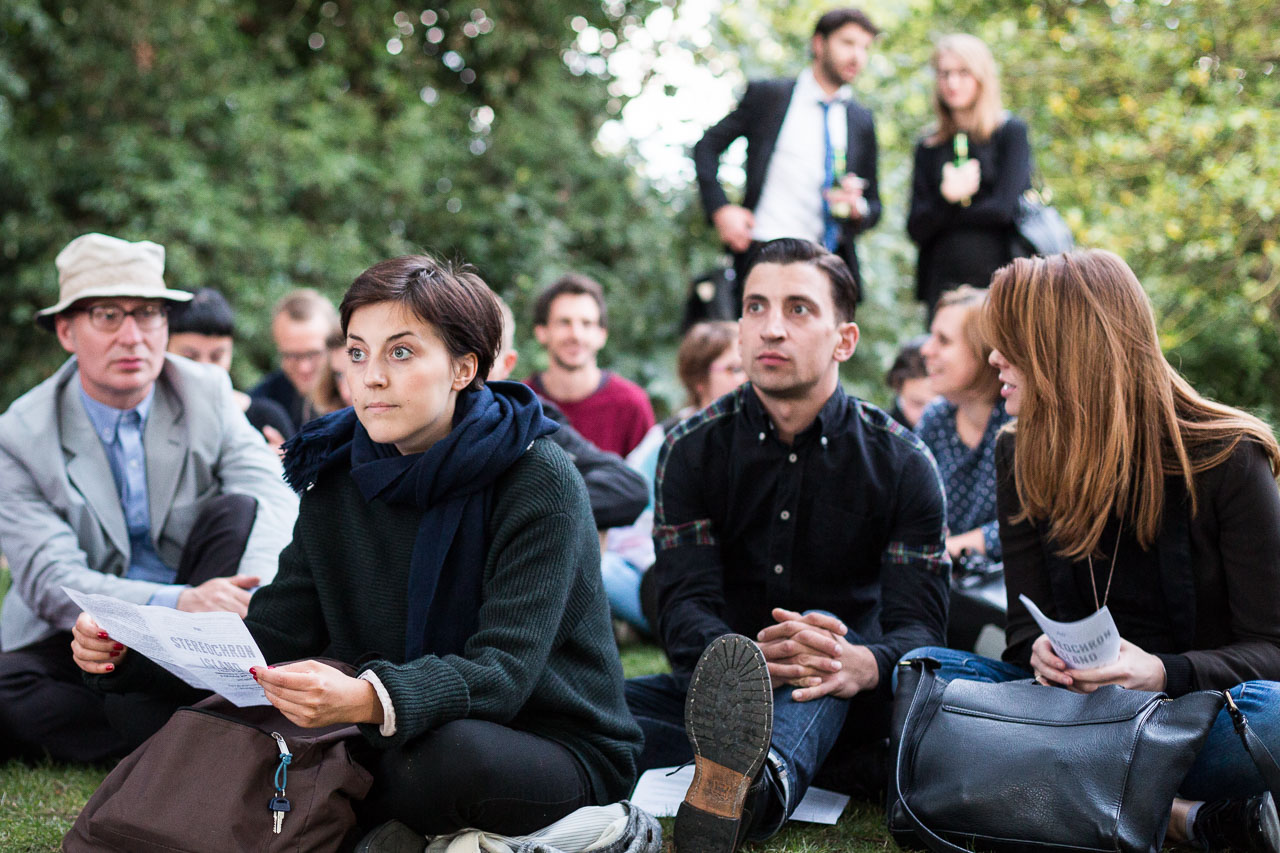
(120, 431)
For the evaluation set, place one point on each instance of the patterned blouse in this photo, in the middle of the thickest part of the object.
(968, 475)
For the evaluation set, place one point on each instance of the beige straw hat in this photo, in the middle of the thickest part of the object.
(95, 265)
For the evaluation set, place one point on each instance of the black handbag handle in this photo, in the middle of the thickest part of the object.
(924, 687)
(1266, 763)
(1262, 757)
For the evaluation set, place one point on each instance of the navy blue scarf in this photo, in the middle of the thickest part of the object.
(451, 482)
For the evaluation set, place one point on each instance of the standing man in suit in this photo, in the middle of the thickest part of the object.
(811, 152)
(127, 473)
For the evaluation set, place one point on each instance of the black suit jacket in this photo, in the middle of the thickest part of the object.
(758, 117)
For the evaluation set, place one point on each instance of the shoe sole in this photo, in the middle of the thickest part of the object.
(1270, 824)
(728, 715)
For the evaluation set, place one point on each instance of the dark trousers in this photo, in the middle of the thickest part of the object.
(474, 773)
(45, 707)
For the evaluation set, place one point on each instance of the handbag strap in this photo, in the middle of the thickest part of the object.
(924, 687)
(1266, 763)
(1262, 757)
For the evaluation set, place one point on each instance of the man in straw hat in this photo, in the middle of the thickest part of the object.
(126, 473)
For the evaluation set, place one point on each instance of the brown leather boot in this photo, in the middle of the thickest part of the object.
(728, 715)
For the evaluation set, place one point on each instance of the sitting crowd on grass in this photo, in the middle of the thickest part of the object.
(444, 559)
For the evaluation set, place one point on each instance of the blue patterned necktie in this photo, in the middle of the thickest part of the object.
(830, 226)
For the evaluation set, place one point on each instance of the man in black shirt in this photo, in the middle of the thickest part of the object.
(806, 519)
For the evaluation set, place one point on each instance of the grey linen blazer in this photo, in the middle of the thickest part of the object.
(61, 521)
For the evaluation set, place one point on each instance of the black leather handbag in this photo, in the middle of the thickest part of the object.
(1038, 228)
(1019, 766)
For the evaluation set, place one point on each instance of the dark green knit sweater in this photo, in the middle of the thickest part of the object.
(542, 659)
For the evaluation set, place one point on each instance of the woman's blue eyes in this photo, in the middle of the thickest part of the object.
(399, 353)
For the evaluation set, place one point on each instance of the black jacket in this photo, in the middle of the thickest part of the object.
(758, 117)
(618, 494)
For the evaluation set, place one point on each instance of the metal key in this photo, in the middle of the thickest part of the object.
(279, 806)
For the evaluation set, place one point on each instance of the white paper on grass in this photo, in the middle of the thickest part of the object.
(1090, 642)
(660, 794)
(211, 651)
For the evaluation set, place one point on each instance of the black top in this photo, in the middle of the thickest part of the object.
(850, 518)
(277, 387)
(617, 493)
(758, 117)
(965, 245)
(1205, 598)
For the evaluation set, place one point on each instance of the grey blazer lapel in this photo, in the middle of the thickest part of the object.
(165, 440)
(87, 466)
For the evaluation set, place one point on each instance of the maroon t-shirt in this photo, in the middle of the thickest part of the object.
(614, 417)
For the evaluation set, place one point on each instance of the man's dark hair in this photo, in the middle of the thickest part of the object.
(451, 298)
(572, 284)
(837, 18)
(789, 250)
(907, 364)
(208, 313)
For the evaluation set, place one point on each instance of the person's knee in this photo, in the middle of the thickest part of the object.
(237, 511)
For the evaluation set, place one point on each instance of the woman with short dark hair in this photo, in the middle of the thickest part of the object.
(448, 551)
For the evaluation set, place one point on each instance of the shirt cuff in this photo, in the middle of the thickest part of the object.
(167, 596)
(388, 727)
(991, 540)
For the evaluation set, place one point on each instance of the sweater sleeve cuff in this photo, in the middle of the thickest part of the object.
(426, 694)
(388, 727)
(1179, 679)
(991, 540)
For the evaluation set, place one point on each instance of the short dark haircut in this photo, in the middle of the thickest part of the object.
(907, 364)
(572, 284)
(837, 18)
(790, 250)
(451, 297)
(208, 313)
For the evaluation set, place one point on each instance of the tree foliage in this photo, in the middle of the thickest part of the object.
(1153, 123)
(276, 144)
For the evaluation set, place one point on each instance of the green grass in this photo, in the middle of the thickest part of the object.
(39, 803)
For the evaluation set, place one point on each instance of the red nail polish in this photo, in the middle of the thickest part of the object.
(269, 666)
(115, 654)
(118, 647)
(253, 670)
(103, 635)
(111, 667)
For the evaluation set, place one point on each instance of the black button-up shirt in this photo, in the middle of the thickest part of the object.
(850, 518)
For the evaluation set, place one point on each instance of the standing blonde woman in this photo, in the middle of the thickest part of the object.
(1119, 485)
(970, 169)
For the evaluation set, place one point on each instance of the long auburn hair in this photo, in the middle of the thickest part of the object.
(988, 111)
(1103, 417)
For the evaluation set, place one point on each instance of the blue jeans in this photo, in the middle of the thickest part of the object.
(622, 587)
(1222, 769)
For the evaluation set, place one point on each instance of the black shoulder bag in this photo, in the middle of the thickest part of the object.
(1019, 766)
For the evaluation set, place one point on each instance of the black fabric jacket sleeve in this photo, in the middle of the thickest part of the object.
(688, 573)
(617, 493)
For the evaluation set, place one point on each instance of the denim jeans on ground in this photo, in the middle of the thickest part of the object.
(622, 587)
(1222, 769)
(803, 735)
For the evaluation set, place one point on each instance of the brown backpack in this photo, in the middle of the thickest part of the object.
(206, 780)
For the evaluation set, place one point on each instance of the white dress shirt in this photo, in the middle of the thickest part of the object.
(791, 201)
